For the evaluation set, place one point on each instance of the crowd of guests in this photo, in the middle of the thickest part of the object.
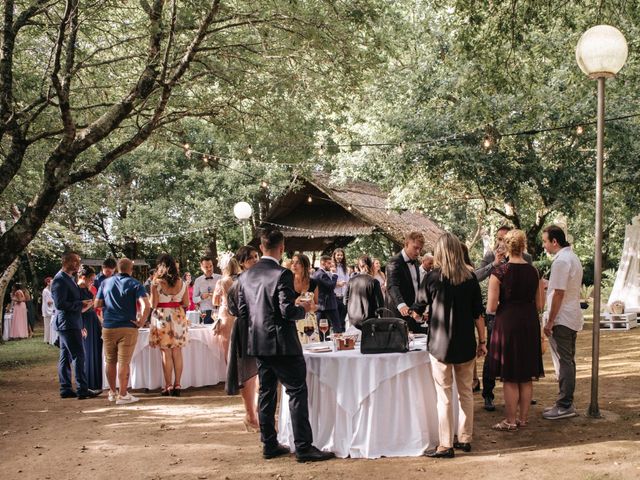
(255, 302)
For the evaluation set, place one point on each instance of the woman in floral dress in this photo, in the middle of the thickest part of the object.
(169, 325)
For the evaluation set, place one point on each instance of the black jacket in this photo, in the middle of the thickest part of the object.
(267, 299)
(363, 297)
(400, 287)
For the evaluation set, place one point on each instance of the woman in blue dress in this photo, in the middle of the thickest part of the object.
(92, 331)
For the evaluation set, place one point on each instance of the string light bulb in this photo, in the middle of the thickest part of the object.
(400, 148)
(349, 208)
(309, 199)
(250, 150)
(264, 184)
(579, 130)
(486, 143)
(321, 150)
(186, 146)
(205, 159)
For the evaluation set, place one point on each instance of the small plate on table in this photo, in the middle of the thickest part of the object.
(319, 349)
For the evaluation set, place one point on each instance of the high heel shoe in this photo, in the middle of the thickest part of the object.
(167, 391)
(250, 427)
(176, 390)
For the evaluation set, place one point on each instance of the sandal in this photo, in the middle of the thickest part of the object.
(167, 391)
(504, 426)
(176, 390)
(522, 423)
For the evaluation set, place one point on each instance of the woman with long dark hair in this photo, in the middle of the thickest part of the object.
(342, 270)
(242, 369)
(92, 335)
(169, 325)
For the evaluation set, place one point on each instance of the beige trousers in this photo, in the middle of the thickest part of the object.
(443, 378)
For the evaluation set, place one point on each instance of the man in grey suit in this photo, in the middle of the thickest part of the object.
(491, 260)
(267, 300)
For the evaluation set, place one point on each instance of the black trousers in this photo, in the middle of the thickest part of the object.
(291, 371)
(488, 382)
(342, 311)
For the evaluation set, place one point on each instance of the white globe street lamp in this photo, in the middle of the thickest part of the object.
(601, 53)
(243, 212)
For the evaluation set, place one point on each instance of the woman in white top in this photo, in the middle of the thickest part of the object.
(47, 309)
(378, 274)
(169, 324)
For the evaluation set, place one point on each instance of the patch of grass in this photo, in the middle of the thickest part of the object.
(25, 353)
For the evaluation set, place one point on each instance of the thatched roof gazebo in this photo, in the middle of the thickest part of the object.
(322, 215)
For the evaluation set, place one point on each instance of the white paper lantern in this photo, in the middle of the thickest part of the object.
(601, 51)
(242, 210)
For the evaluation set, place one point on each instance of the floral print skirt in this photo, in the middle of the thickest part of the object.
(169, 328)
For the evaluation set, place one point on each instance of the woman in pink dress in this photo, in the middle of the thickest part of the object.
(19, 324)
(186, 278)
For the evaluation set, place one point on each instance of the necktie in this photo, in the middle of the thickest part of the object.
(208, 278)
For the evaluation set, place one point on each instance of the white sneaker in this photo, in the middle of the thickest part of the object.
(128, 398)
(113, 396)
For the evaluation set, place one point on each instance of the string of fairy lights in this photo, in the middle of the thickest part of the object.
(489, 135)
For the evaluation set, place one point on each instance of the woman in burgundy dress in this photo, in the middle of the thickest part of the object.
(515, 354)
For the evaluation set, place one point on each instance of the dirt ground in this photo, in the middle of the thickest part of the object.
(201, 435)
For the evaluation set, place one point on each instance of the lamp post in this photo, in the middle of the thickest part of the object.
(243, 211)
(601, 53)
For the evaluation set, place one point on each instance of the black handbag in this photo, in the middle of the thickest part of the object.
(384, 335)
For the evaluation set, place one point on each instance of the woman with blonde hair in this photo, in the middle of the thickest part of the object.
(452, 295)
(225, 318)
(516, 354)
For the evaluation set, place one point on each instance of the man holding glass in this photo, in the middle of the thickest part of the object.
(203, 289)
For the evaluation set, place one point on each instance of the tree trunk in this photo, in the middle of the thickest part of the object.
(212, 248)
(4, 282)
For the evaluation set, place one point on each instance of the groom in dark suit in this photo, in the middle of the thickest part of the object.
(69, 305)
(403, 280)
(266, 299)
(327, 301)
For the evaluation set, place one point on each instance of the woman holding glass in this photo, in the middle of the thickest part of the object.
(306, 288)
(225, 318)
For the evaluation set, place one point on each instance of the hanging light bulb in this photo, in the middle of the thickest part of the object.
(486, 143)
(250, 150)
(349, 208)
(400, 148)
(186, 146)
(205, 159)
(321, 150)
(579, 130)
(264, 184)
(309, 199)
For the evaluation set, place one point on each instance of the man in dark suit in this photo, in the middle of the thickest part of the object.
(69, 306)
(266, 299)
(363, 295)
(327, 301)
(403, 280)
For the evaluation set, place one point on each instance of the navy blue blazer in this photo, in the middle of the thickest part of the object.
(326, 289)
(266, 302)
(68, 301)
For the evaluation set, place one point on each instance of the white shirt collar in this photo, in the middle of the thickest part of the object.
(267, 257)
(405, 256)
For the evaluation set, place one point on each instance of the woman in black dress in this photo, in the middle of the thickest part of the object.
(516, 354)
(242, 369)
(455, 307)
(92, 334)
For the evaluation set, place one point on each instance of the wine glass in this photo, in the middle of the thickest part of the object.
(202, 316)
(309, 329)
(323, 326)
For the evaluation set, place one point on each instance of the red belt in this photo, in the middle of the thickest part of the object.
(169, 304)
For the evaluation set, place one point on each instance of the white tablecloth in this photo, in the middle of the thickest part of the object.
(7, 326)
(369, 406)
(204, 362)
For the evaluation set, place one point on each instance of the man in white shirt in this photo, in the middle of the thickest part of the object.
(203, 288)
(563, 318)
(426, 265)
